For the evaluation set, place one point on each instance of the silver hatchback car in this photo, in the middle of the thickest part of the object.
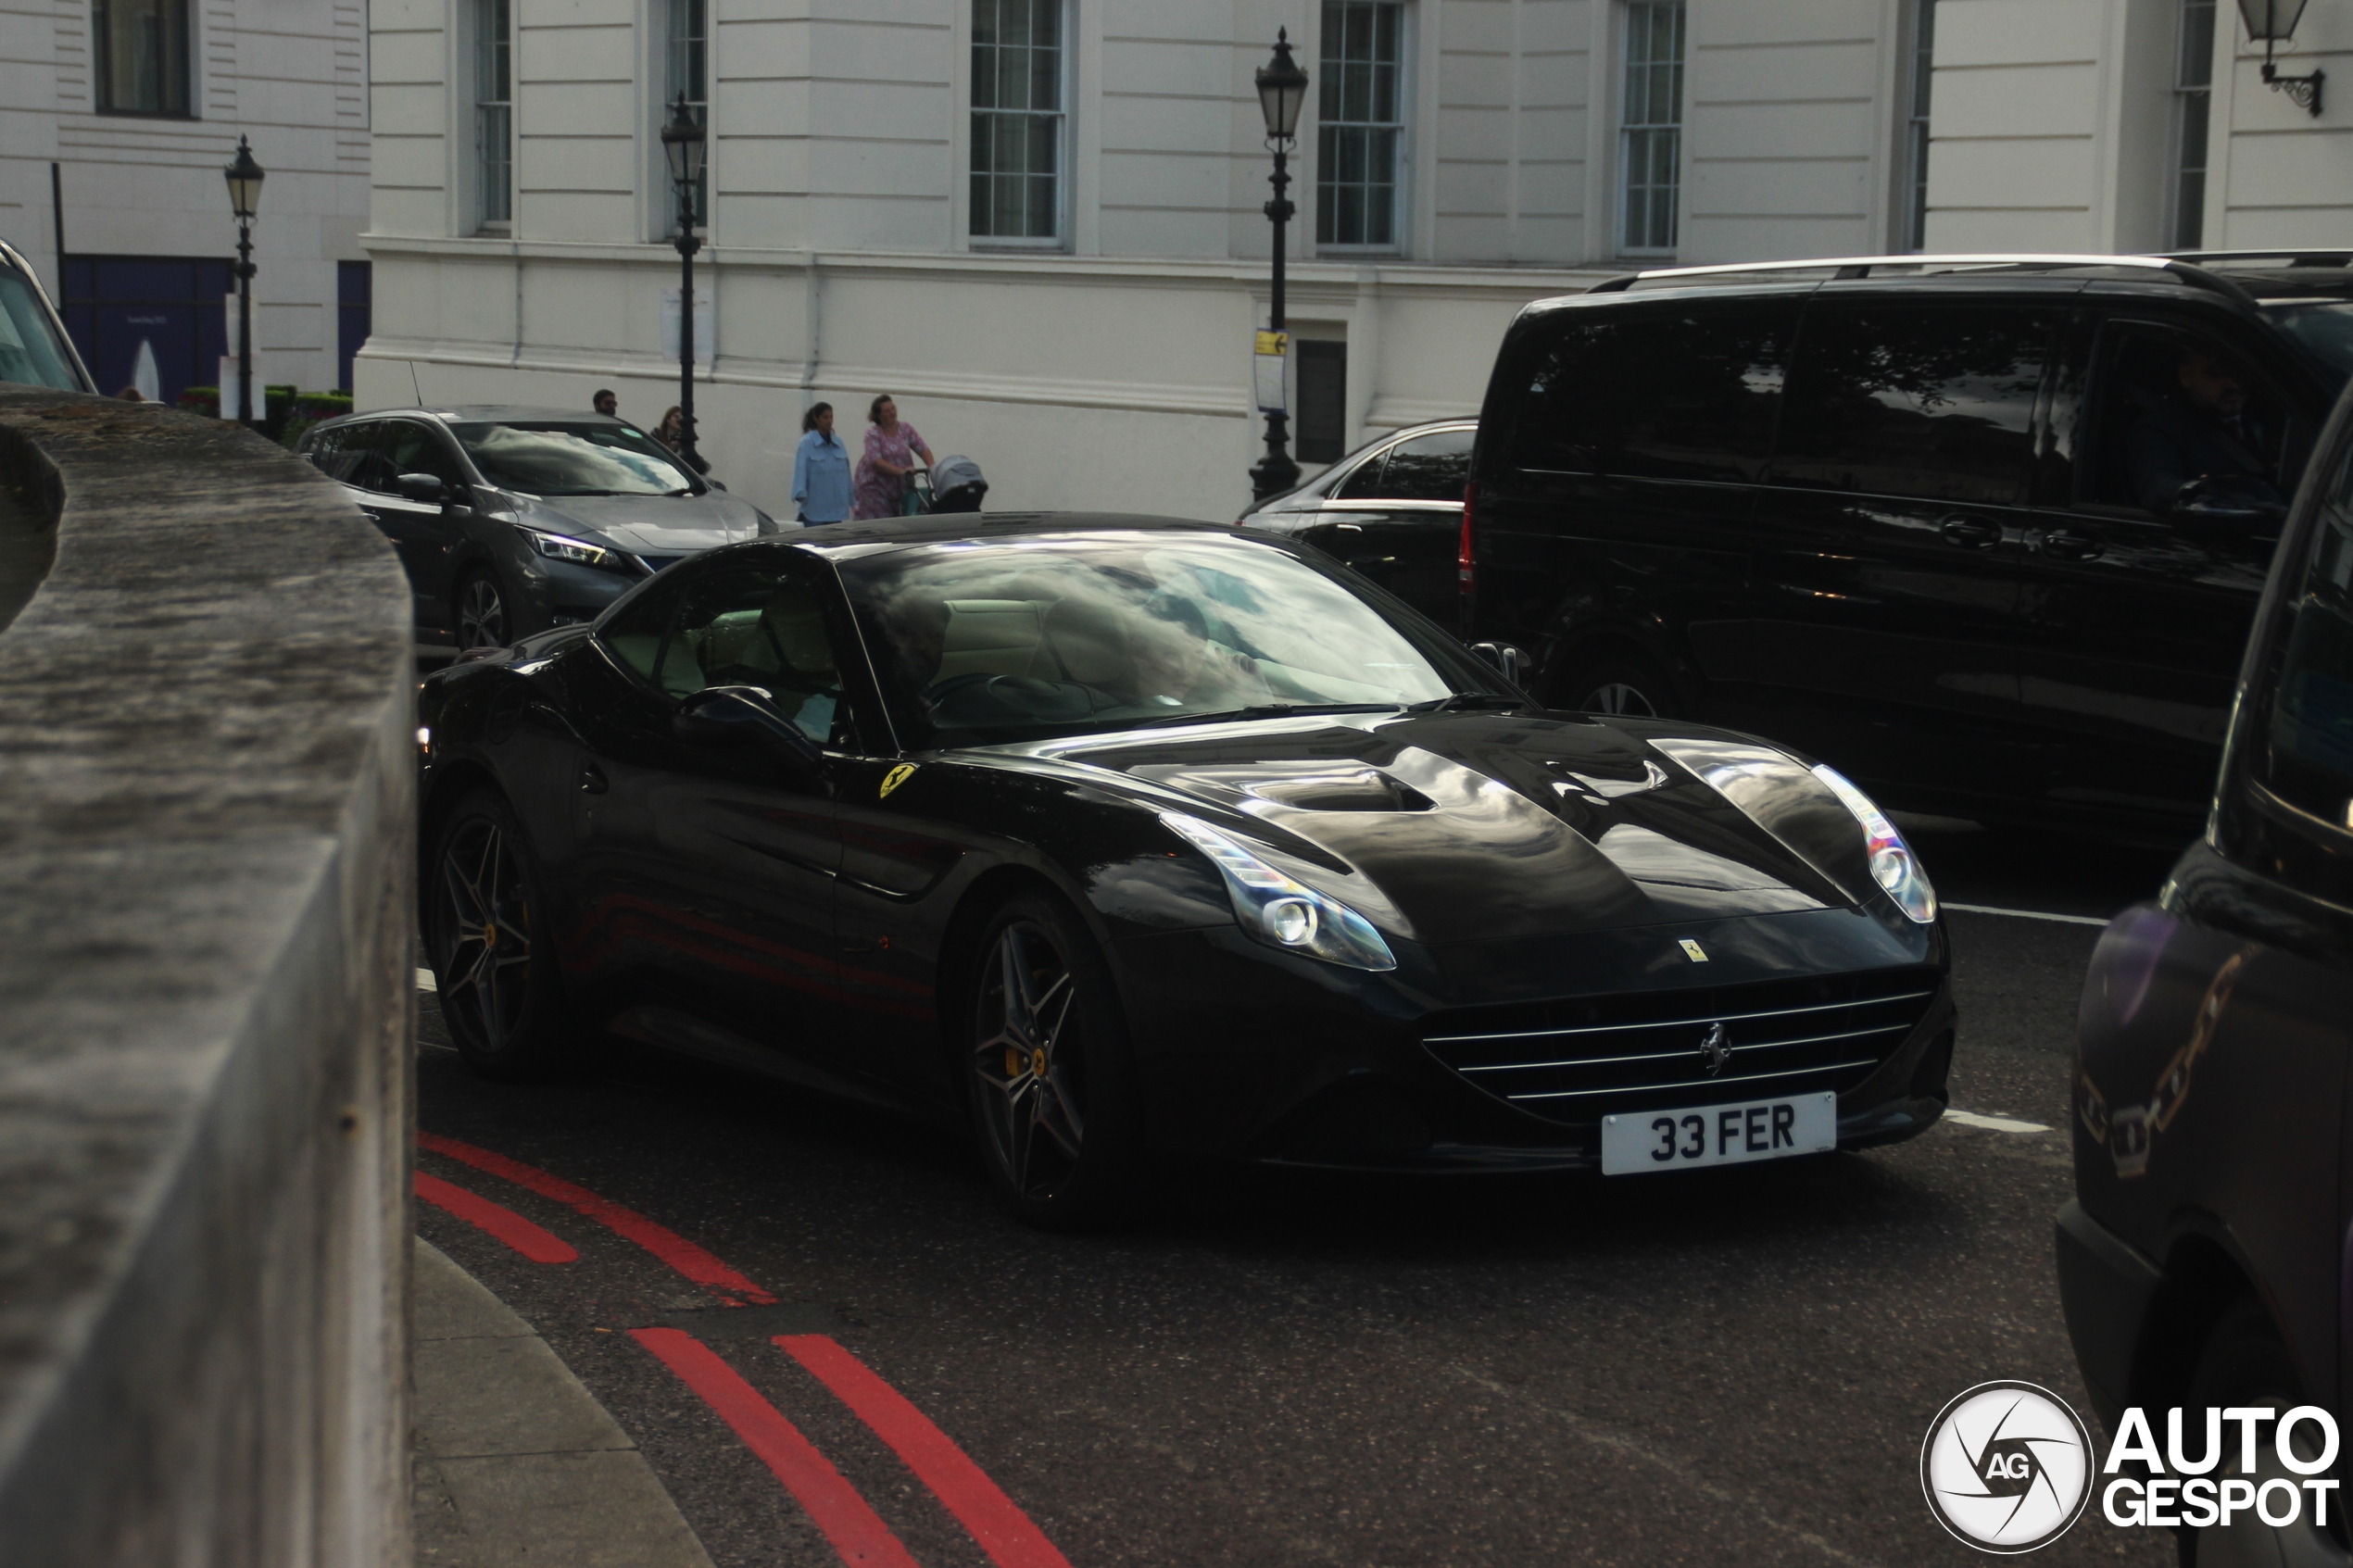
(511, 520)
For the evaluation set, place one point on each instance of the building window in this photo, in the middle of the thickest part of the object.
(142, 56)
(1017, 120)
(494, 112)
(2193, 97)
(1922, 77)
(1651, 135)
(1360, 122)
(688, 40)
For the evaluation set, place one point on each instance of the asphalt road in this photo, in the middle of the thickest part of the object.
(1712, 1368)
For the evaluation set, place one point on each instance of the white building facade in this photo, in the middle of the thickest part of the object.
(116, 119)
(1036, 222)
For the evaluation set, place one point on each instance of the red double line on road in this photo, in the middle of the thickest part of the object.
(856, 1532)
(539, 1246)
(662, 1242)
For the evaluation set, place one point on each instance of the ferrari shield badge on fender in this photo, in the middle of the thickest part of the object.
(895, 777)
(1691, 949)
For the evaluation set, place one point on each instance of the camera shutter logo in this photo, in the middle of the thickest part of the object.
(2006, 1467)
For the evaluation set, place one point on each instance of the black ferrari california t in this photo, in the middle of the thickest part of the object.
(1127, 837)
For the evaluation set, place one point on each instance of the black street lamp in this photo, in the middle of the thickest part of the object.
(2273, 21)
(682, 143)
(1282, 89)
(245, 178)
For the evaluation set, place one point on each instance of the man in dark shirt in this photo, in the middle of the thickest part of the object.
(2200, 431)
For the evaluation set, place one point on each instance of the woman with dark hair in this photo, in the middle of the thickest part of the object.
(821, 469)
(891, 451)
(672, 432)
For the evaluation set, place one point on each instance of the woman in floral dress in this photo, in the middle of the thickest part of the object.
(892, 449)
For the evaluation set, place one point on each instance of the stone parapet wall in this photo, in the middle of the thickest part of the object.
(207, 879)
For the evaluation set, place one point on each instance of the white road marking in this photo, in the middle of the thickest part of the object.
(2026, 914)
(426, 981)
(1993, 1124)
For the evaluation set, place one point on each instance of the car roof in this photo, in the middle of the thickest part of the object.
(846, 540)
(491, 413)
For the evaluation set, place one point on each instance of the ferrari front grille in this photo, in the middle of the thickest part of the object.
(1579, 1059)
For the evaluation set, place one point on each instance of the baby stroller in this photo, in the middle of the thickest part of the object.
(956, 485)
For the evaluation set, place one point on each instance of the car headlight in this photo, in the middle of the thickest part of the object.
(1280, 910)
(557, 547)
(1894, 866)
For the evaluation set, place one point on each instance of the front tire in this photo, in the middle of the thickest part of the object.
(486, 939)
(481, 613)
(2246, 1363)
(1053, 1097)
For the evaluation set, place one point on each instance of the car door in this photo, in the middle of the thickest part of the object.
(1617, 512)
(1888, 537)
(2134, 620)
(1398, 518)
(707, 869)
(426, 533)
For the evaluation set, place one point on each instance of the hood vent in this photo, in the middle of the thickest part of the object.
(1353, 789)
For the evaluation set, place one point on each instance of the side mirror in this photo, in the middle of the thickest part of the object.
(739, 716)
(1512, 663)
(426, 488)
(716, 485)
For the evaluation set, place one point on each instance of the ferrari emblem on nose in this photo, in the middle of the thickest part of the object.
(1691, 949)
(1715, 1050)
(895, 777)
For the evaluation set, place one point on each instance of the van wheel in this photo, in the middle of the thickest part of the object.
(2246, 1364)
(1054, 1101)
(1631, 688)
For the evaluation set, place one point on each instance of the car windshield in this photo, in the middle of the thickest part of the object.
(553, 459)
(30, 349)
(984, 641)
(2324, 328)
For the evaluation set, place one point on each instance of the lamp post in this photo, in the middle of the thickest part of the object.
(245, 178)
(682, 143)
(1282, 89)
(2273, 21)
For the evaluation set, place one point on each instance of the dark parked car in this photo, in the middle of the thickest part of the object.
(2203, 1262)
(34, 349)
(511, 520)
(1124, 833)
(1392, 509)
(1987, 532)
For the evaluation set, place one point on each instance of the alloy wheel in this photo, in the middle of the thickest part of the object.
(483, 936)
(482, 614)
(1617, 696)
(1027, 1061)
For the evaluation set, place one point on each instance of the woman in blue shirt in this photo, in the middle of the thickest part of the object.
(821, 469)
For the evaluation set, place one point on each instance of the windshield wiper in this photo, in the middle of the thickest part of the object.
(1460, 702)
(1260, 710)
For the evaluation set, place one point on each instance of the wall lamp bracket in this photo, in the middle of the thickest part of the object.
(2304, 91)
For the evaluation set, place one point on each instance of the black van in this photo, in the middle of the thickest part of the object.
(2205, 1261)
(1985, 532)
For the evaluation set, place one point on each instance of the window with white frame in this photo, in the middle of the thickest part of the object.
(1018, 122)
(1919, 79)
(494, 113)
(1360, 124)
(2193, 99)
(686, 57)
(1649, 138)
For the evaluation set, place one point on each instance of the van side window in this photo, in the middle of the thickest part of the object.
(1933, 402)
(2307, 757)
(2178, 419)
(1683, 391)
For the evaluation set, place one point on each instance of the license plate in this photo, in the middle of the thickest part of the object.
(1691, 1136)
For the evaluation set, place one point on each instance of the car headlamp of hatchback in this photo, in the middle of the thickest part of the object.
(1894, 866)
(558, 546)
(1280, 911)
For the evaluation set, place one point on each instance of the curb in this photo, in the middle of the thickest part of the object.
(516, 1462)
